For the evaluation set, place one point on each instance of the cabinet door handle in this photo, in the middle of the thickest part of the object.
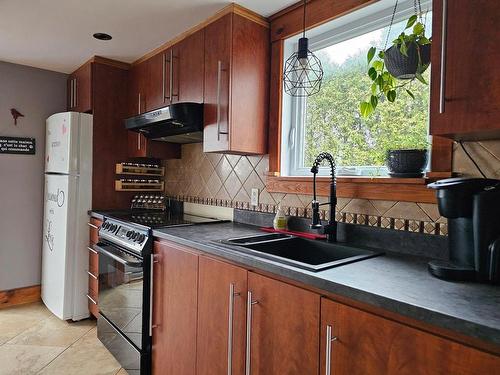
(76, 92)
(442, 77)
(73, 100)
(328, 359)
(164, 76)
(92, 275)
(151, 281)
(139, 141)
(71, 93)
(170, 77)
(248, 353)
(139, 105)
(93, 226)
(232, 294)
(91, 300)
(171, 83)
(219, 84)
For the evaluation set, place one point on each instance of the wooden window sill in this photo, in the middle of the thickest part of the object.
(380, 188)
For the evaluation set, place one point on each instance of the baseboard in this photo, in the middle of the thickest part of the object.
(20, 296)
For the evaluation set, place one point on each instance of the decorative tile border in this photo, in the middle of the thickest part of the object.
(414, 226)
(227, 181)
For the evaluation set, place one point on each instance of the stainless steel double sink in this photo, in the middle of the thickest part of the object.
(311, 255)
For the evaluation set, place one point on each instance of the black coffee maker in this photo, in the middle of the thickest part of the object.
(472, 206)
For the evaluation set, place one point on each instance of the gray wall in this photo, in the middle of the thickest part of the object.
(37, 94)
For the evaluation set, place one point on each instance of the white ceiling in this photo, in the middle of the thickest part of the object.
(57, 34)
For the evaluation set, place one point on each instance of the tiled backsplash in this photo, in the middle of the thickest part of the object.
(227, 180)
(485, 153)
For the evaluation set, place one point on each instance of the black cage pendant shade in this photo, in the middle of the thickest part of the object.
(303, 71)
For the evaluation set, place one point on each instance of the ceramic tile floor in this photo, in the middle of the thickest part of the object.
(33, 341)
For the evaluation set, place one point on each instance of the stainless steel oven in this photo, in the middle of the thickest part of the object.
(125, 294)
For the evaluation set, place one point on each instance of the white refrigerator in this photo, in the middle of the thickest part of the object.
(67, 199)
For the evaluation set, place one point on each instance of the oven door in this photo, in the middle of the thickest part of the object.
(121, 291)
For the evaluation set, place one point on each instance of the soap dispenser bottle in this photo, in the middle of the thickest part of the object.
(279, 222)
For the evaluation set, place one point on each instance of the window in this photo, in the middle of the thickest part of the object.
(330, 120)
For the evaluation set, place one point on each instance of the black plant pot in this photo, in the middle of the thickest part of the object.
(405, 67)
(406, 163)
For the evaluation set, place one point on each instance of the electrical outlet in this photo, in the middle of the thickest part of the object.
(255, 197)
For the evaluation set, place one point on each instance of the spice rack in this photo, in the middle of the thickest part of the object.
(143, 177)
(137, 169)
(129, 184)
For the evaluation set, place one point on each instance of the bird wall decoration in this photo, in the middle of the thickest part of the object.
(15, 114)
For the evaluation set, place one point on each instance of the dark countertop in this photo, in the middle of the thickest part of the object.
(394, 282)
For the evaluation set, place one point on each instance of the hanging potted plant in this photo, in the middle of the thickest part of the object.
(397, 67)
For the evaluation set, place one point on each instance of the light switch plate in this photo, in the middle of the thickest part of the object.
(255, 197)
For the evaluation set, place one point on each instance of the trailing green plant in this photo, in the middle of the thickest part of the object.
(384, 84)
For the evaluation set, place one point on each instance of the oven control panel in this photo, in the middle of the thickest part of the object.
(123, 234)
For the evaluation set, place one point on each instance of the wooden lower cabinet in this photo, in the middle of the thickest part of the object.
(222, 294)
(366, 344)
(284, 321)
(216, 318)
(93, 269)
(175, 307)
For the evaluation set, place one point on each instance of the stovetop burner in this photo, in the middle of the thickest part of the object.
(155, 219)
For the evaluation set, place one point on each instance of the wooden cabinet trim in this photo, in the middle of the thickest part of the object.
(231, 8)
(407, 189)
(289, 21)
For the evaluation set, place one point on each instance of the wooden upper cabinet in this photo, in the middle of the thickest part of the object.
(465, 91)
(222, 292)
(174, 75)
(189, 68)
(79, 89)
(145, 94)
(366, 344)
(236, 86)
(155, 85)
(175, 290)
(138, 77)
(283, 323)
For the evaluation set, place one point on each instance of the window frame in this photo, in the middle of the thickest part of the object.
(288, 22)
(323, 36)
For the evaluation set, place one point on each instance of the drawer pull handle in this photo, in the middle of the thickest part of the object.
(329, 339)
(92, 300)
(248, 353)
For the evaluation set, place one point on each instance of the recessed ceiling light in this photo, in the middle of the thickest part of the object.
(102, 36)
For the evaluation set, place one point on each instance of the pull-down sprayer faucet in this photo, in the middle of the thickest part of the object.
(331, 228)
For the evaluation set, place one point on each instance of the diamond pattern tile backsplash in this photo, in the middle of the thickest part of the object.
(227, 180)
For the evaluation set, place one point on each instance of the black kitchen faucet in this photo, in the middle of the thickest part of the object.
(331, 228)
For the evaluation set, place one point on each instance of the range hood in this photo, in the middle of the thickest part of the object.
(176, 123)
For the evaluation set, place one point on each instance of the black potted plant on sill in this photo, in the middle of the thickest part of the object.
(406, 161)
(397, 67)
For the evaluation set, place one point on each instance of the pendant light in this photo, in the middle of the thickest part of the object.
(303, 71)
